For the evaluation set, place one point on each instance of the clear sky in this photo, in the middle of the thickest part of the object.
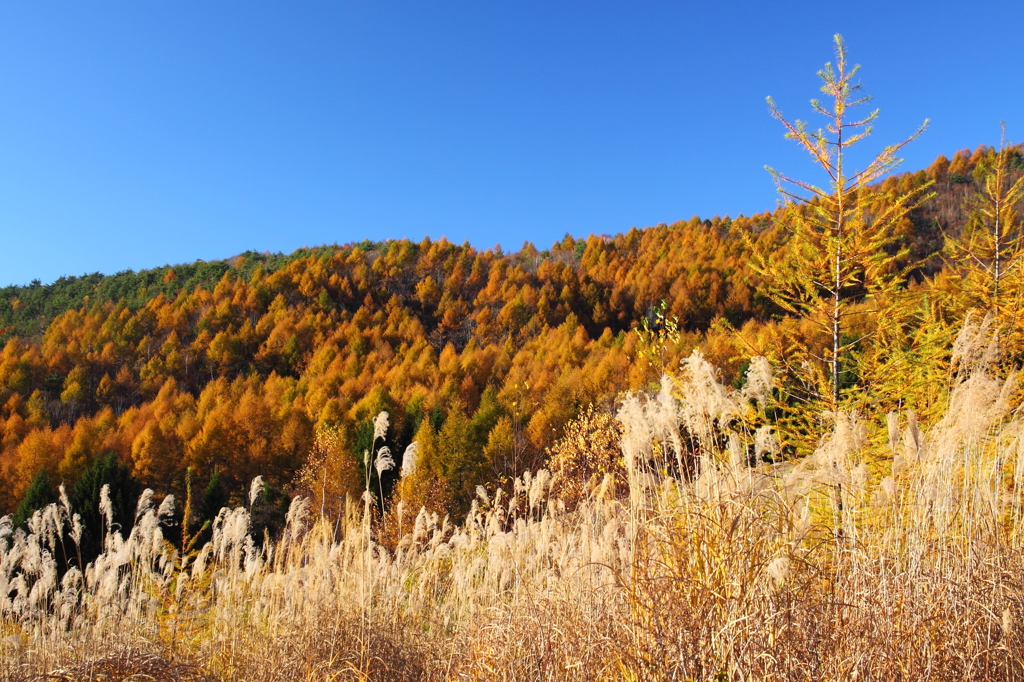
(135, 134)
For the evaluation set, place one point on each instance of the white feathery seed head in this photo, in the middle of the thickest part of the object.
(760, 381)
(765, 442)
(706, 399)
(77, 528)
(145, 503)
(254, 490)
(976, 348)
(409, 458)
(522, 483)
(35, 524)
(635, 432)
(72, 580)
(778, 570)
(65, 503)
(106, 507)
(848, 436)
(298, 512)
(537, 488)
(380, 425)
(166, 509)
(52, 525)
(663, 417)
(384, 461)
(199, 565)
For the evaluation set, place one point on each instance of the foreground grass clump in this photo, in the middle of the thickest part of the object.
(716, 566)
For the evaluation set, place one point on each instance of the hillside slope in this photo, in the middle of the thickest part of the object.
(234, 366)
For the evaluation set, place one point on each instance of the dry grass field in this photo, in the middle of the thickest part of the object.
(892, 553)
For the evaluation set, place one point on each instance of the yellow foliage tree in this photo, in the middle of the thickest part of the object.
(986, 258)
(840, 263)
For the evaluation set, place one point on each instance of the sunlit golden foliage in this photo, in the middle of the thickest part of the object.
(986, 259)
(240, 375)
(587, 452)
(817, 569)
(331, 475)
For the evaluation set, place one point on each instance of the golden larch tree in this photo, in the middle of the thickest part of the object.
(986, 258)
(840, 262)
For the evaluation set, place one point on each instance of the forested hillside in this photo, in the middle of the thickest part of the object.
(239, 368)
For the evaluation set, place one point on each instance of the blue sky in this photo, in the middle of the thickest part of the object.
(134, 134)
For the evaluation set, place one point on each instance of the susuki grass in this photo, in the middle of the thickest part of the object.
(893, 553)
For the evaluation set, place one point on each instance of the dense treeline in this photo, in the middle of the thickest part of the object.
(26, 310)
(239, 368)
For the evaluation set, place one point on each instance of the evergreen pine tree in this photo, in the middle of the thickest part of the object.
(39, 494)
(85, 500)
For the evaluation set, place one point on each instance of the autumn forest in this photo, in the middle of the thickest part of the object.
(214, 373)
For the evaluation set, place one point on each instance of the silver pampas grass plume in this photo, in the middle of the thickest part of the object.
(384, 461)
(409, 458)
(106, 506)
(254, 490)
(145, 503)
(380, 425)
(166, 510)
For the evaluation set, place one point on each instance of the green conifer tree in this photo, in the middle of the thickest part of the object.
(85, 500)
(39, 494)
